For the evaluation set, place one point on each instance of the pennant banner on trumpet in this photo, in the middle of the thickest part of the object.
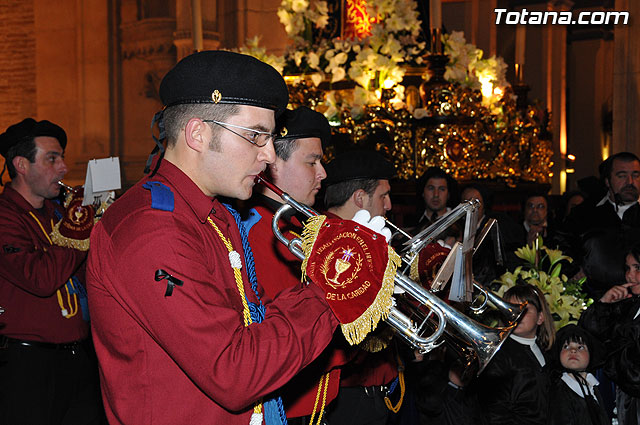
(355, 268)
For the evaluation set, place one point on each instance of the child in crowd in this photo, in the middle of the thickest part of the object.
(615, 319)
(574, 395)
(513, 388)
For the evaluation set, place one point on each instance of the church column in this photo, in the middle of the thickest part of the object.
(626, 82)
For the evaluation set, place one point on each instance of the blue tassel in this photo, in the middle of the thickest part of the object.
(273, 408)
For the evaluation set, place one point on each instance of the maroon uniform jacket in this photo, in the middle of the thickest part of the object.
(278, 269)
(369, 369)
(187, 358)
(32, 270)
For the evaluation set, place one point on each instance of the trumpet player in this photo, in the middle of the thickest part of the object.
(359, 180)
(46, 367)
(183, 331)
(297, 170)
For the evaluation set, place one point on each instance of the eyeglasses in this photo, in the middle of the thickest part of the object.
(255, 137)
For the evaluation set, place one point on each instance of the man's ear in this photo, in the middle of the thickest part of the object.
(358, 198)
(195, 135)
(20, 164)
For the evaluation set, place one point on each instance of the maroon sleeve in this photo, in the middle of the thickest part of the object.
(30, 264)
(200, 325)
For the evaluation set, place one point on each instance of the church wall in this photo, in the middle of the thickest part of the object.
(17, 63)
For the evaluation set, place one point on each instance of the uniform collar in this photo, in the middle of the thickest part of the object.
(332, 215)
(428, 217)
(201, 204)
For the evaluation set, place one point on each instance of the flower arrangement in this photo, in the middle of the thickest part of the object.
(364, 73)
(300, 16)
(467, 67)
(372, 61)
(543, 268)
(380, 59)
(252, 48)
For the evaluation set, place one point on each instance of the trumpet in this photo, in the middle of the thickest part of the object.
(510, 311)
(412, 328)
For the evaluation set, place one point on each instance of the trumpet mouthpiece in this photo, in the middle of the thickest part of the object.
(67, 187)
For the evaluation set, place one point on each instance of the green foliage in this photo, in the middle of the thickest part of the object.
(543, 268)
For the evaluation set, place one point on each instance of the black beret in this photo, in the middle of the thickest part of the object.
(218, 76)
(26, 130)
(358, 164)
(304, 122)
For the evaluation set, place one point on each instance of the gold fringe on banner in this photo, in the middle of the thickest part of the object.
(414, 274)
(375, 343)
(357, 330)
(58, 239)
(308, 238)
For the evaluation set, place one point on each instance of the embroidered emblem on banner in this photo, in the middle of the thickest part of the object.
(340, 265)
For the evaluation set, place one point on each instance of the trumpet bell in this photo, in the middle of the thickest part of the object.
(483, 340)
(475, 344)
(511, 312)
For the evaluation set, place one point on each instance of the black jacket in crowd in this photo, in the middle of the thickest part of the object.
(513, 389)
(615, 324)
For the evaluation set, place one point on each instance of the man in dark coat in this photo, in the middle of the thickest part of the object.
(603, 232)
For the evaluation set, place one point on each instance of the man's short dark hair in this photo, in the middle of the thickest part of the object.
(285, 147)
(176, 118)
(432, 172)
(26, 149)
(483, 191)
(530, 195)
(606, 167)
(338, 194)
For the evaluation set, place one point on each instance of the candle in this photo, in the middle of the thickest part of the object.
(435, 14)
(520, 43)
(196, 16)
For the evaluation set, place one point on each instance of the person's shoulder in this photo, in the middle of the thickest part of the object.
(14, 209)
(140, 208)
(8, 207)
(10, 200)
(501, 364)
(590, 211)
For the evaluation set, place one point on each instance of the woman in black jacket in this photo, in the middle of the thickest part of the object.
(615, 319)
